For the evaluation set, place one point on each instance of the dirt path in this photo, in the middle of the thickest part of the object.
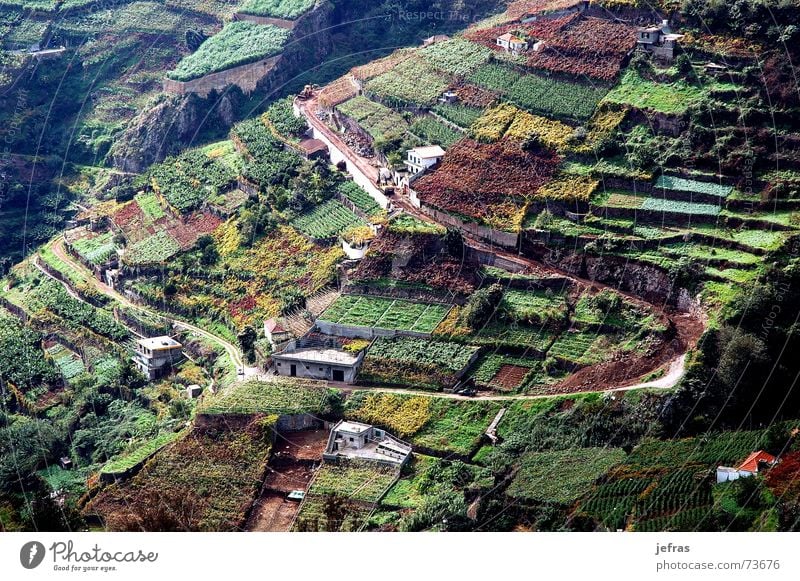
(608, 376)
(57, 246)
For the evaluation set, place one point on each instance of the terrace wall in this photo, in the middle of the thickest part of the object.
(504, 239)
(490, 259)
(359, 177)
(423, 295)
(246, 77)
(358, 332)
(283, 23)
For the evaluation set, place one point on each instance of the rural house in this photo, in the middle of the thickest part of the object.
(317, 359)
(314, 149)
(752, 465)
(512, 43)
(421, 158)
(155, 356)
(354, 440)
(276, 332)
(658, 40)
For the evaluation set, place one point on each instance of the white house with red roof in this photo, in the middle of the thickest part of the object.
(511, 43)
(752, 465)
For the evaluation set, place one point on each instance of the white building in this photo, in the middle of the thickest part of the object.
(658, 40)
(277, 332)
(325, 362)
(354, 440)
(752, 465)
(512, 43)
(421, 158)
(155, 356)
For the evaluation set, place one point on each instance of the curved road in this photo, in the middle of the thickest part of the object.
(57, 246)
(688, 329)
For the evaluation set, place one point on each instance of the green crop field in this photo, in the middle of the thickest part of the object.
(411, 81)
(456, 56)
(683, 185)
(326, 220)
(674, 98)
(362, 200)
(536, 307)
(377, 120)
(96, 249)
(560, 477)
(238, 43)
(290, 9)
(435, 132)
(385, 313)
(133, 457)
(273, 397)
(452, 356)
(548, 96)
(364, 481)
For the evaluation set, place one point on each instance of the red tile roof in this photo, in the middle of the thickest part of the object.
(274, 326)
(751, 464)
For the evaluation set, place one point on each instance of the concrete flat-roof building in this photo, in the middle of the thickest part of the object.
(317, 360)
(155, 356)
(357, 441)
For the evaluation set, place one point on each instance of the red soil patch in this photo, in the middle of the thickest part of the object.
(510, 376)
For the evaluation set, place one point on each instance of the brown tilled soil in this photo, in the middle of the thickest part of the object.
(290, 468)
(509, 376)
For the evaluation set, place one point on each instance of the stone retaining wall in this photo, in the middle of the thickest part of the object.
(246, 77)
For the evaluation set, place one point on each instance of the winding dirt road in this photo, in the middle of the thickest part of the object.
(616, 375)
(57, 247)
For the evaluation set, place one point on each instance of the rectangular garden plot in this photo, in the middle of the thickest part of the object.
(416, 362)
(384, 313)
(326, 220)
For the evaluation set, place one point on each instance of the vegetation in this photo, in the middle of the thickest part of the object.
(327, 220)
(254, 397)
(238, 43)
(384, 313)
(278, 8)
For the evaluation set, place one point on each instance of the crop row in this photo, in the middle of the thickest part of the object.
(365, 481)
(548, 96)
(55, 298)
(435, 132)
(96, 249)
(685, 185)
(362, 200)
(452, 356)
(456, 56)
(253, 397)
(385, 313)
(376, 119)
(411, 81)
(154, 249)
(69, 363)
(326, 220)
(236, 44)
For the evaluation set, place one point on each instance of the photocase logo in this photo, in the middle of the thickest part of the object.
(31, 554)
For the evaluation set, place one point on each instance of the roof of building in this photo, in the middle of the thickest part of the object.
(353, 427)
(158, 343)
(650, 29)
(330, 356)
(673, 36)
(313, 146)
(511, 38)
(756, 458)
(428, 151)
(274, 326)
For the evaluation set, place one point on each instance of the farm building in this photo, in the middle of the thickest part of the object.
(421, 158)
(658, 40)
(156, 356)
(354, 440)
(752, 465)
(317, 359)
(277, 332)
(314, 149)
(512, 43)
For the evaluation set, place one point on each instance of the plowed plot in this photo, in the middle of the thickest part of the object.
(489, 182)
(510, 376)
(272, 513)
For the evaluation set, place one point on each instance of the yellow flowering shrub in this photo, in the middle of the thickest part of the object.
(403, 415)
(568, 188)
(227, 238)
(493, 123)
